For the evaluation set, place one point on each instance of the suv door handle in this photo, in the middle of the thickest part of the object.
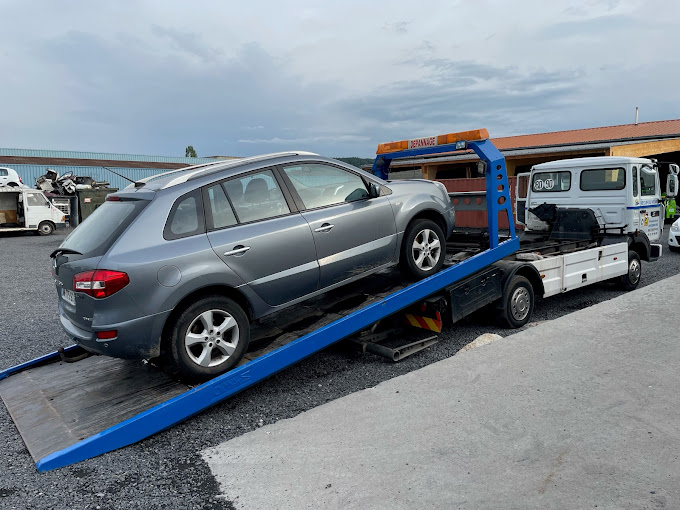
(326, 227)
(238, 250)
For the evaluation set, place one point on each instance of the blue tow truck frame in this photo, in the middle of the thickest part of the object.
(199, 398)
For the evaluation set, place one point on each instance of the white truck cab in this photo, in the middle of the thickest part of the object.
(624, 195)
(28, 209)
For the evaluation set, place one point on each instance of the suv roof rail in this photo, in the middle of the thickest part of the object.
(183, 169)
(202, 170)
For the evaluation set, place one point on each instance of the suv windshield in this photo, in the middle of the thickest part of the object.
(100, 230)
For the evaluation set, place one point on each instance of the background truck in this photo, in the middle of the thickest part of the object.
(28, 209)
(607, 199)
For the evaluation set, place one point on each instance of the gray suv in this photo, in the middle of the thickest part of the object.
(176, 267)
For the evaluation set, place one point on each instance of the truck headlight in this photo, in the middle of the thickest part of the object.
(675, 227)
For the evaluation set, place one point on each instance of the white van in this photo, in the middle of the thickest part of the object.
(624, 195)
(28, 209)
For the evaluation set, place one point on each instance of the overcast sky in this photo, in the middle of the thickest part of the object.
(241, 77)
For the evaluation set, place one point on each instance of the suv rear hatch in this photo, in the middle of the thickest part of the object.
(82, 250)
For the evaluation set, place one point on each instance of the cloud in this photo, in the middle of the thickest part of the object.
(153, 78)
(187, 42)
(451, 95)
(347, 138)
(397, 27)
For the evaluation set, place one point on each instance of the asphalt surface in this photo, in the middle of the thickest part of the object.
(559, 415)
(167, 471)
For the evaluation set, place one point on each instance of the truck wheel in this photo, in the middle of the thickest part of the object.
(518, 303)
(208, 338)
(423, 248)
(630, 280)
(45, 228)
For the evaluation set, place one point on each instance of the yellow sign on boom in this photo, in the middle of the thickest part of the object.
(431, 141)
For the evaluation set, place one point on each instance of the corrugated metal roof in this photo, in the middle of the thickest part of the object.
(40, 153)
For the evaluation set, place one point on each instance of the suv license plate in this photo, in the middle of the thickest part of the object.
(69, 296)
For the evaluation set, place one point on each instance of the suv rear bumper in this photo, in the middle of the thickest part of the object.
(136, 339)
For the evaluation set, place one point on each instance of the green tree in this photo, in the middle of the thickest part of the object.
(190, 152)
(357, 162)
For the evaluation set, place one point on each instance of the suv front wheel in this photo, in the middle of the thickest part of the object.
(423, 249)
(208, 338)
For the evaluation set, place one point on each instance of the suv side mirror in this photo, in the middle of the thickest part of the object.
(671, 186)
(373, 190)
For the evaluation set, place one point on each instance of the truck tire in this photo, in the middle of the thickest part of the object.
(517, 303)
(423, 249)
(45, 228)
(207, 339)
(630, 280)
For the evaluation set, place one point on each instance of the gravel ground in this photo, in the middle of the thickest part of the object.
(166, 471)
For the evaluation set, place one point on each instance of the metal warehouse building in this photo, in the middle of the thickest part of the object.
(31, 164)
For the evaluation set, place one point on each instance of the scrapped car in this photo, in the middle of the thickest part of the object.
(177, 267)
(674, 236)
(9, 177)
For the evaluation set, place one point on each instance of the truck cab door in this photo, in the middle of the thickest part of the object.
(650, 216)
(36, 209)
(521, 192)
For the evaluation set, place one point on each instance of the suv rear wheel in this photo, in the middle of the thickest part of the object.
(423, 248)
(208, 338)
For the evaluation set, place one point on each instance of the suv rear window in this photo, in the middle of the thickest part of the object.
(99, 231)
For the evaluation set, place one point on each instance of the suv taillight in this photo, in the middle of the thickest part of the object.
(100, 283)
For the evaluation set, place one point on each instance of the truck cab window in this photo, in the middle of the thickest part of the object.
(647, 181)
(602, 179)
(551, 182)
(635, 181)
(35, 199)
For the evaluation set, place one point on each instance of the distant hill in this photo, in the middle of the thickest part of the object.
(357, 162)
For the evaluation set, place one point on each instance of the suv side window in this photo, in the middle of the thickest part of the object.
(186, 217)
(220, 214)
(320, 185)
(256, 197)
(3, 172)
